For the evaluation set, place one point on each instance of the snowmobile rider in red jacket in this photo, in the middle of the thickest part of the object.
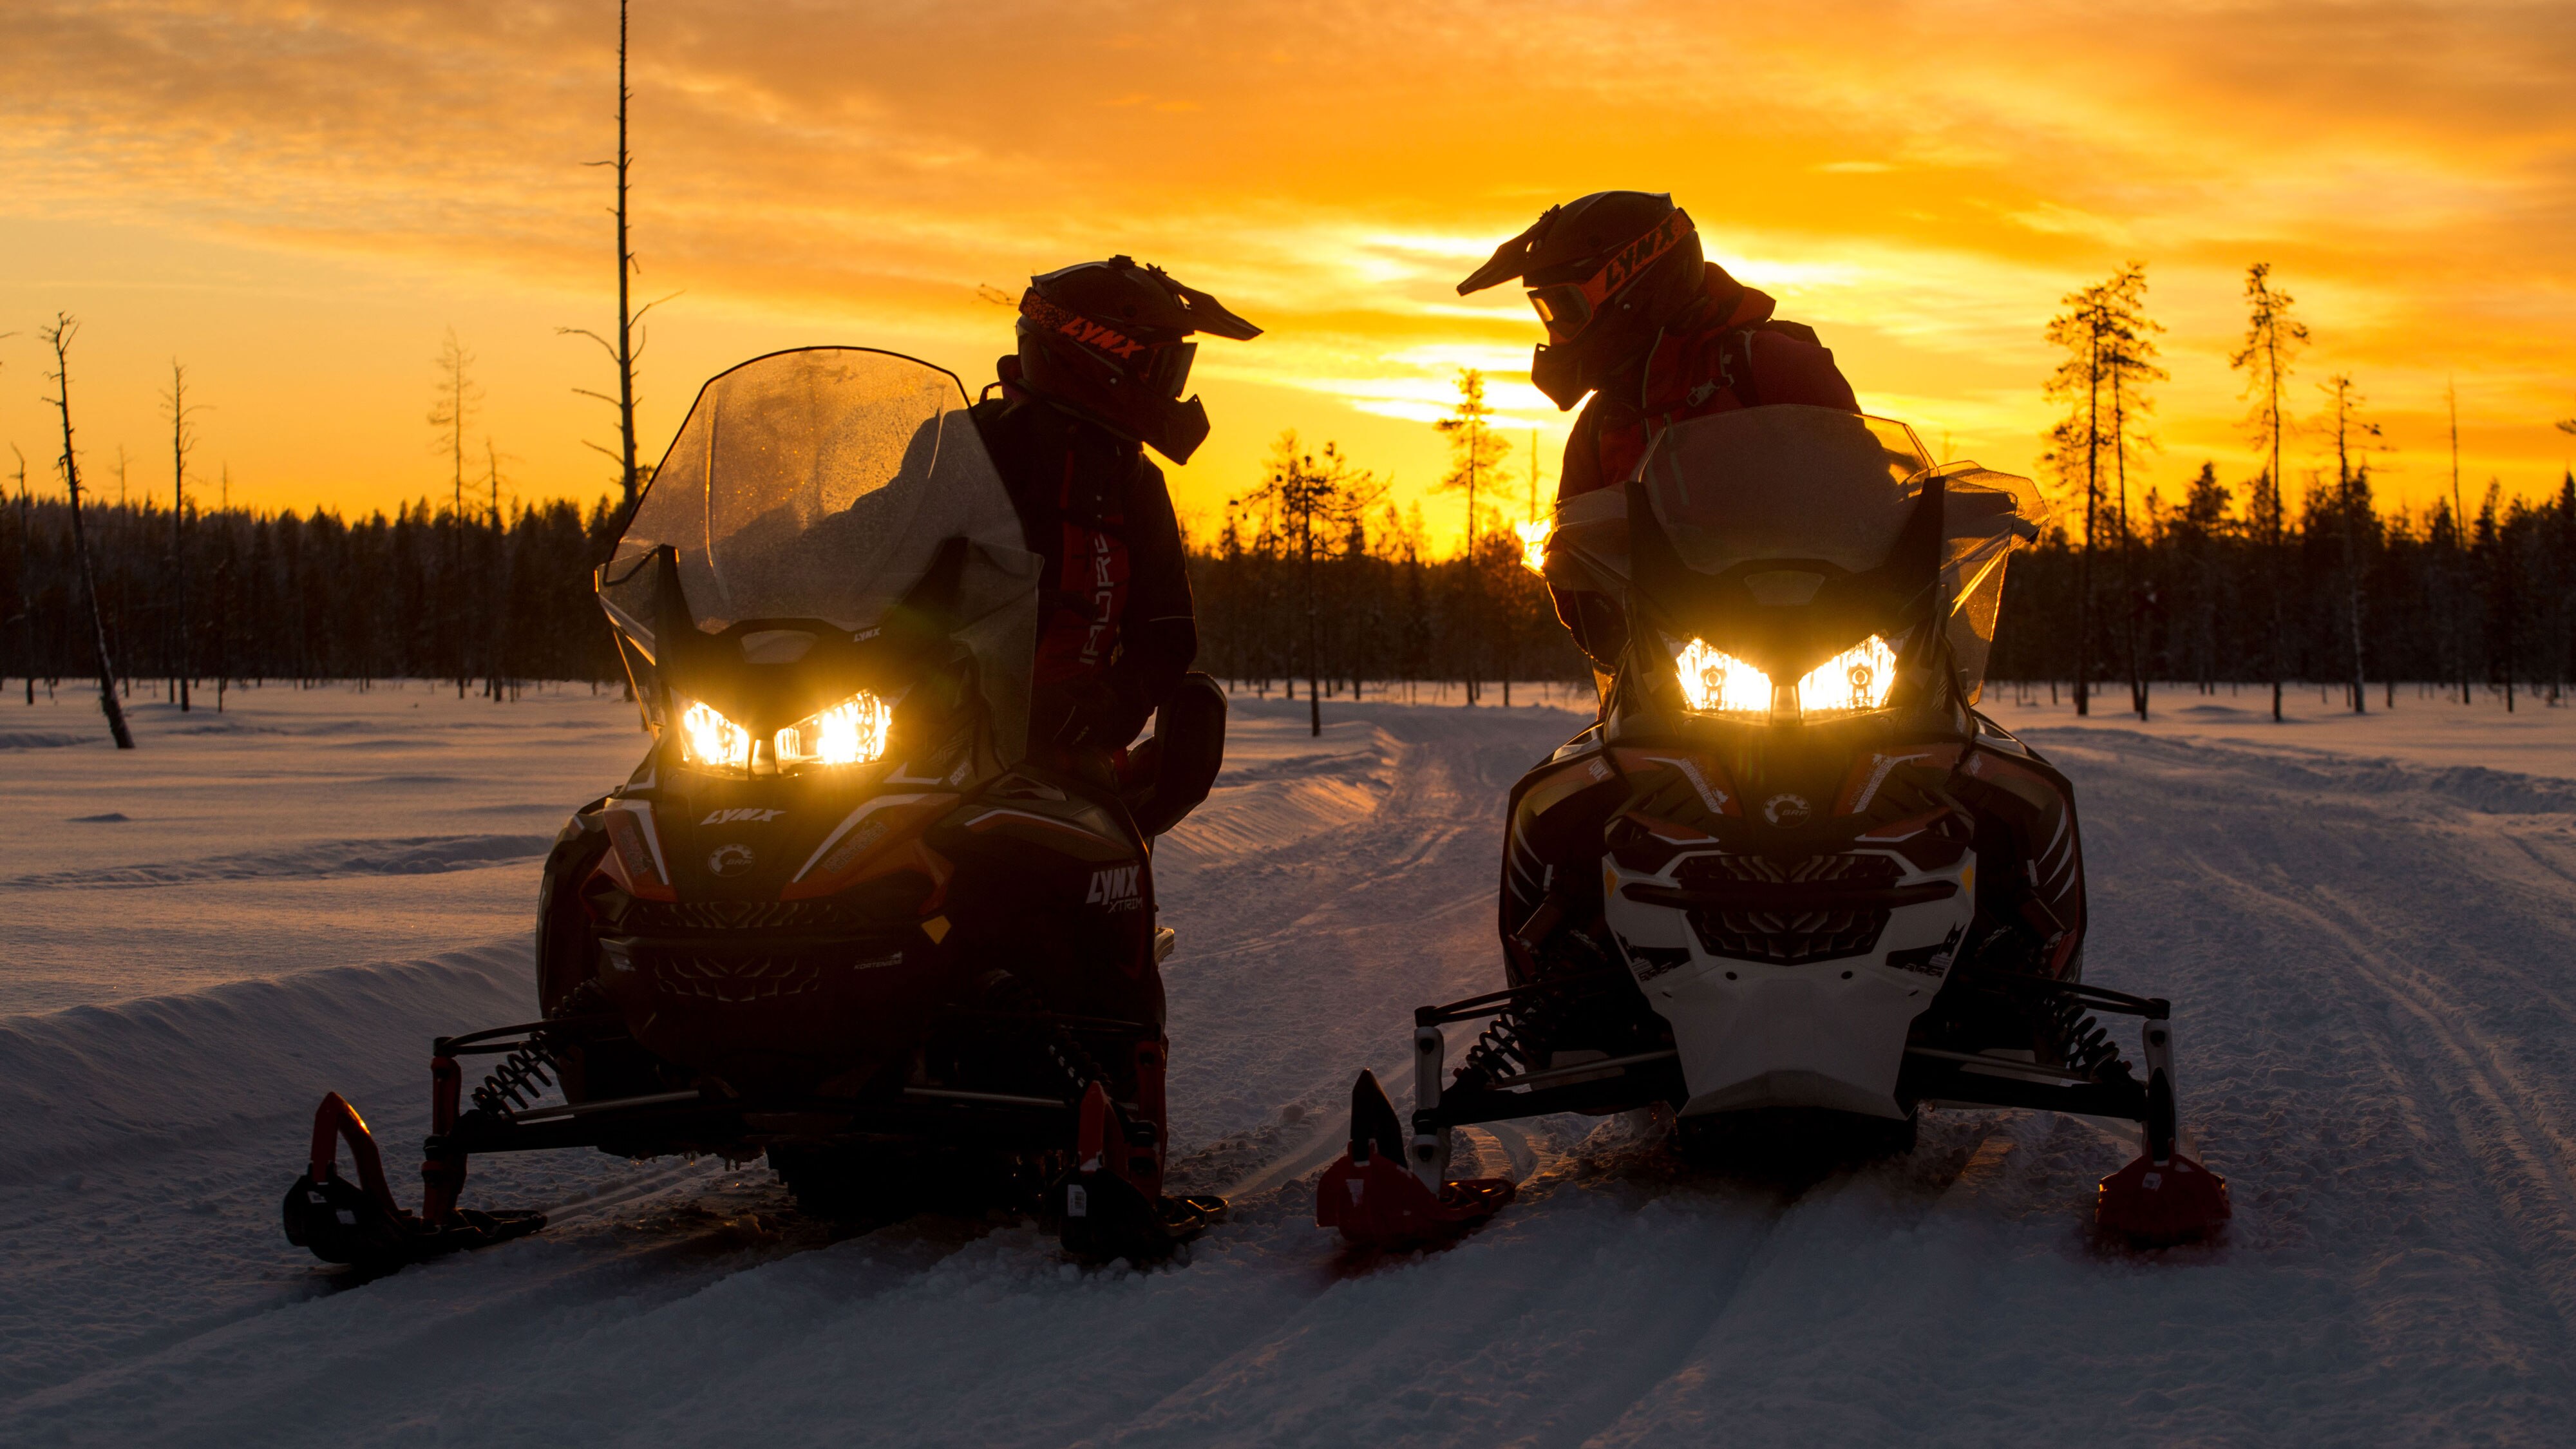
(1097, 379)
(1655, 333)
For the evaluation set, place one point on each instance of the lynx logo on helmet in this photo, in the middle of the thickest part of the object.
(1116, 889)
(1078, 327)
(1642, 253)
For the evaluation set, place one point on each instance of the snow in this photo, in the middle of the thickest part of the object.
(2364, 925)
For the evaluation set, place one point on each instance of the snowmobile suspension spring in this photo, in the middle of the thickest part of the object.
(1077, 1064)
(1512, 1036)
(2084, 1043)
(518, 1077)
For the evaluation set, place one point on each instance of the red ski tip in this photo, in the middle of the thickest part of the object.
(1377, 1203)
(2162, 1202)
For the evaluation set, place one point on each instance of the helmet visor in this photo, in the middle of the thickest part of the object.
(1564, 307)
(1166, 369)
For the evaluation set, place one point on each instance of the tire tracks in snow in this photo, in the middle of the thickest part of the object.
(2541, 1208)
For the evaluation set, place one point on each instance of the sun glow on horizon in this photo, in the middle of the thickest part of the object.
(832, 177)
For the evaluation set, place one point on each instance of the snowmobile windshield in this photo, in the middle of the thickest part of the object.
(1782, 560)
(815, 506)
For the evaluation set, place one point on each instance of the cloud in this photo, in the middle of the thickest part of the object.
(1923, 181)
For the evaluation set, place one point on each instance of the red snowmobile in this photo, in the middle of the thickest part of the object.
(842, 914)
(1793, 886)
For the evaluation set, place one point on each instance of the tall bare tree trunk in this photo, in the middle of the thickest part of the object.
(1314, 669)
(2460, 537)
(2347, 496)
(625, 278)
(26, 610)
(179, 442)
(59, 337)
(2092, 495)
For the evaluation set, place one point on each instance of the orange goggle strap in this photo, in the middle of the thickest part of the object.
(1567, 307)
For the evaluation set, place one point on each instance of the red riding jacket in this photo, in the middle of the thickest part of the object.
(1727, 353)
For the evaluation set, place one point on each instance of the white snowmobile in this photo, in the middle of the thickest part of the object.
(1793, 882)
(842, 914)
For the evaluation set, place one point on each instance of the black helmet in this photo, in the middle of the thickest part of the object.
(1104, 339)
(1606, 273)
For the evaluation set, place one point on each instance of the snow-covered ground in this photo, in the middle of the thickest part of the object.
(2366, 931)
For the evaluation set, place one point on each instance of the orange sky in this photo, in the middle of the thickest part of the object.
(298, 198)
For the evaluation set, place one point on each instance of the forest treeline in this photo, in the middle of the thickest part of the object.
(239, 596)
(2189, 595)
(233, 595)
(2187, 592)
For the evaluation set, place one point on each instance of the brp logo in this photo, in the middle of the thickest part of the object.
(1788, 811)
(728, 861)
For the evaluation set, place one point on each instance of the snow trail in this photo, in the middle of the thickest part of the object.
(2377, 1035)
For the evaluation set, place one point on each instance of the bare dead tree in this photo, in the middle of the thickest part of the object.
(629, 346)
(496, 589)
(454, 408)
(26, 610)
(59, 337)
(2459, 526)
(2351, 435)
(182, 440)
(224, 599)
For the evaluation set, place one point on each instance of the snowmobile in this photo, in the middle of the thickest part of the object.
(843, 915)
(1792, 887)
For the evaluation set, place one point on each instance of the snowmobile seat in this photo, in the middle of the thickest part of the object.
(1166, 777)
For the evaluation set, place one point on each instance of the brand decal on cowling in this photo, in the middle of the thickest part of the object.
(750, 814)
(1115, 889)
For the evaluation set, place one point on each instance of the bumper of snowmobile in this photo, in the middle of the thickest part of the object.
(1392, 1186)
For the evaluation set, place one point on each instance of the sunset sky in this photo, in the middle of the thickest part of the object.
(297, 199)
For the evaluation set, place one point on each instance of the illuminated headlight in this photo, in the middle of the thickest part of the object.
(1856, 679)
(1716, 682)
(852, 732)
(708, 738)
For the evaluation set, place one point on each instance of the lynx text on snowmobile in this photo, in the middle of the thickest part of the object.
(1793, 876)
(842, 914)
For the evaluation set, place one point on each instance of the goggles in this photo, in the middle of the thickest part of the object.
(1568, 307)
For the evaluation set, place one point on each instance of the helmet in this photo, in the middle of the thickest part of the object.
(1105, 340)
(1606, 274)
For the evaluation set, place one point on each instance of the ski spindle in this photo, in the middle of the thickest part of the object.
(2159, 1126)
(1430, 1141)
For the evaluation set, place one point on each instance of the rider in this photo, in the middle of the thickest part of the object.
(1098, 376)
(1097, 379)
(1655, 333)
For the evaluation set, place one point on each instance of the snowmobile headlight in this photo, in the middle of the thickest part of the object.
(1716, 682)
(852, 732)
(708, 738)
(1854, 680)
